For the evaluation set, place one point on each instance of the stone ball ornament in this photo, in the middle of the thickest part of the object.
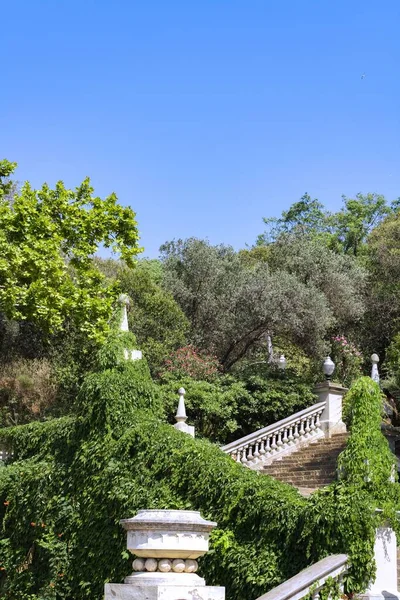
(165, 565)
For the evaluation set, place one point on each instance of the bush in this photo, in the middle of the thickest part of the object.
(226, 409)
(190, 362)
(27, 391)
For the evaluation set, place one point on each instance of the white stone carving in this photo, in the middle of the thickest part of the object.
(331, 419)
(280, 439)
(385, 554)
(166, 543)
(164, 565)
(374, 370)
(138, 564)
(181, 417)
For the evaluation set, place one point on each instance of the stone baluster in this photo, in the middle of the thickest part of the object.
(291, 436)
(279, 443)
(262, 447)
(166, 544)
(285, 436)
(250, 453)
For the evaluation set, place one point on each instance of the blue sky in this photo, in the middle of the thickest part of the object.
(206, 115)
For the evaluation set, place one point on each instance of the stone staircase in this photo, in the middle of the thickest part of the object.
(311, 467)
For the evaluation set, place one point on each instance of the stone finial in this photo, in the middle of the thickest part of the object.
(181, 416)
(123, 300)
(282, 362)
(328, 368)
(374, 370)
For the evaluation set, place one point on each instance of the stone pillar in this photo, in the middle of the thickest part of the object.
(331, 418)
(166, 544)
(181, 416)
(385, 554)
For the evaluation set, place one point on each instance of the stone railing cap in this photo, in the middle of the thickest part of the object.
(184, 520)
(328, 385)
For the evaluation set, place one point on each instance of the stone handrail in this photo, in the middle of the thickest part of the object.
(311, 580)
(285, 436)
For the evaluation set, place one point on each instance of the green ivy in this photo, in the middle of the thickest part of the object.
(71, 481)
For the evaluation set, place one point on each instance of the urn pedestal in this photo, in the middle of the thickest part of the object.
(166, 545)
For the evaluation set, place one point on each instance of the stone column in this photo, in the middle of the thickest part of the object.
(181, 416)
(166, 544)
(331, 418)
(385, 554)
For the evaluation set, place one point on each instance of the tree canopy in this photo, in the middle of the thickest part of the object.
(47, 241)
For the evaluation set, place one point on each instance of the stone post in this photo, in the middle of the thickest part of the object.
(385, 554)
(181, 416)
(374, 370)
(166, 544)
(124, 302)
(331, 418)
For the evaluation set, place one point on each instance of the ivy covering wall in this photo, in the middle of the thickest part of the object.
(72, 479)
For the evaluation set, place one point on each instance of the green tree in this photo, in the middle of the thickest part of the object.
(156, 319)
(345, 231)
(339, 278)
(233, 306)
(47, 242)
(305, 216)
(7, 168)
(383, 291)
(358, 217)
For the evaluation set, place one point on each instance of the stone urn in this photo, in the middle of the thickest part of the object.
(166, 544)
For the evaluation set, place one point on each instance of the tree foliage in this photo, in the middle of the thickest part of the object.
(345, 231)
(47, 241)
(299, 293)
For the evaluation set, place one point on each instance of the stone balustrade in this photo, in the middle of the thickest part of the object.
(266, 445)
(309, 582)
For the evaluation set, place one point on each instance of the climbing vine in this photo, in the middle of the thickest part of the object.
(71, 480)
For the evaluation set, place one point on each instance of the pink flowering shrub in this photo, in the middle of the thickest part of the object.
(190, 362)
(347, 359)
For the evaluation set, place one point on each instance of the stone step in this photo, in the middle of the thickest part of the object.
(311, 467)
(308, 483)
(329, 473)
(294, 458)
(301, 463)
(310, 474)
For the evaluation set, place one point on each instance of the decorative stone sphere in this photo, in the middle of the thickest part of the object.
(138, 564)
(151, 564)
(178, 565)
(164, 565)
(190, 566)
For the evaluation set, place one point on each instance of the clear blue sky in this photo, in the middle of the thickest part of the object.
(203, 115)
